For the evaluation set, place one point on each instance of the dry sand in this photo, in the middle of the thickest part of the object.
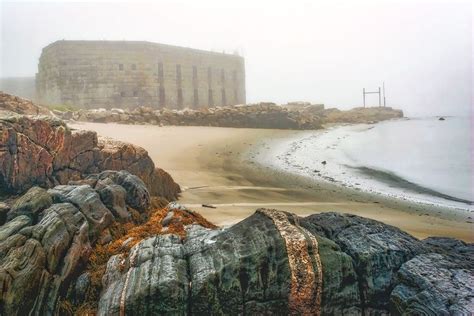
(211, 166)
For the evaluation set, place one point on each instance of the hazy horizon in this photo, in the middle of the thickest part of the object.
(322, 52)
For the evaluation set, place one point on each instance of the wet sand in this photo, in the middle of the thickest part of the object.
(212, 166)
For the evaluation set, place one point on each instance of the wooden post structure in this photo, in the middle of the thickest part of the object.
(380, 100)
(373, 92)
(383, 89)
(363, 93)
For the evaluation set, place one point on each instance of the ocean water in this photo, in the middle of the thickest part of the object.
(420, 159)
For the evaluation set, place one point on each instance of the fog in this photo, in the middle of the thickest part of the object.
(318, 51)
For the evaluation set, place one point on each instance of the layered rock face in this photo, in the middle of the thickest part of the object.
(16, 104)
(43, 151)
(48, 239)
(276, 263)
(273, 262)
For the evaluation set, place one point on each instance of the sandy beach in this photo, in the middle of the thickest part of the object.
(212, 166)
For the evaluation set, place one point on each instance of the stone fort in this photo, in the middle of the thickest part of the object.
(126, 74)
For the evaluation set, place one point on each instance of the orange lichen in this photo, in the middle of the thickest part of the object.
(126, 235)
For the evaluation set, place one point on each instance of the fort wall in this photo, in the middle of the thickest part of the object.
(93, 74)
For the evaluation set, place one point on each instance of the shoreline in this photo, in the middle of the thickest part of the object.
(383, 183)
(210, 165)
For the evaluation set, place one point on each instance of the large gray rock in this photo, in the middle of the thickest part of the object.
(31, 204)
(439, 283)
(88, 201)
(155, 282)
(38, 261)
(13, 226)
(378, 251)
(113, 196)
(137, 195)
(42, 252)
(266, 264)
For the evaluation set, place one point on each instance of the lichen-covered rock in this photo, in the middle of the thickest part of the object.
(31, 204)
(43, 151)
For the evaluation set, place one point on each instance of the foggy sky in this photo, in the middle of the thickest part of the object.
(319, 51)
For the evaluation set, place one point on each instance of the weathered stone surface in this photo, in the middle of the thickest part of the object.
(31, 204)
(113, 196)
(157, 274)
(4, 209)
(131, 73)
(266, 264)
(378, 251)
(272, 262)
(39, 259)
(36, 262)
(136, 196)
(19, 105)
(88, 201)
(13, 226)
(44, 151)
(440, 283)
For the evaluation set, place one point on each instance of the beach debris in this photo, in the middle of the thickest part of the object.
(324, 162)
(441, 119)
(209, 206)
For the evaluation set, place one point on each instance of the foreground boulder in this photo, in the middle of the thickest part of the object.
(43, 151)
(40, 256)
(440, 283)
(276, 263)
(101, 246)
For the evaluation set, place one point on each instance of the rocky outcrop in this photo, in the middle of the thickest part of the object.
(440, 282)
(361, 115)
(276, 263)
(18, 105)
(262, 115)
(43, 151)
(41, 255)
(175, 262)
